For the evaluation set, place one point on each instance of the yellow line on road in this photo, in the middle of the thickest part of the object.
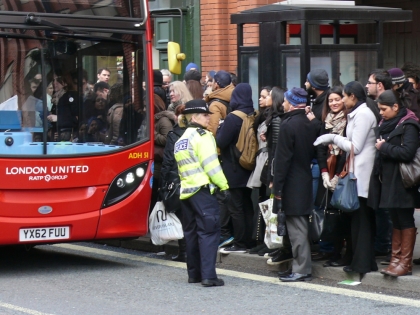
(300, 285)
(21, 309)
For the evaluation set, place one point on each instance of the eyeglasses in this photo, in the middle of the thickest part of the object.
(368, 82)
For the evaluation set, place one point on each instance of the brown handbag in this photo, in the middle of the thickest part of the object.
(331, 161)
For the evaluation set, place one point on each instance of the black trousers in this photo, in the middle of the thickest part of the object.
(201, 225)
(242, 213)
(402, 218)
(363, 238)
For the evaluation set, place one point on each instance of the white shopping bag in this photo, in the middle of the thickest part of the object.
(271, 239)
(164, 227)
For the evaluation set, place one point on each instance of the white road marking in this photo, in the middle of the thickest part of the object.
(301, 285)
(21, 309)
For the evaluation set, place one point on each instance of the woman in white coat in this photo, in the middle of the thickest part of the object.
(359, 134)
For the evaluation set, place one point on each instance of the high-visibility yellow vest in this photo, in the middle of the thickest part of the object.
(198, 164)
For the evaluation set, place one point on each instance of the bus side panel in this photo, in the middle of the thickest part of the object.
(129, 217)
(82, 227)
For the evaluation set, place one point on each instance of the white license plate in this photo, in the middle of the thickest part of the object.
(46, 233)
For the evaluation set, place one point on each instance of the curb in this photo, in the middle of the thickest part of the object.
(245, 260)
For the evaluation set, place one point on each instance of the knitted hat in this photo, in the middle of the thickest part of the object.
(222, 78)
(318, 78)
(191, 66)
(192, 75)
(157, 78)
(196, 107)
(296, 96)
(397, 75)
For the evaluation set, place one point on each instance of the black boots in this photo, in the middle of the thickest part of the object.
(182, 254)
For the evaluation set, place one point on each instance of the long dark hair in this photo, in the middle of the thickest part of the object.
(357, 89)
(326, 109)
(277, 96)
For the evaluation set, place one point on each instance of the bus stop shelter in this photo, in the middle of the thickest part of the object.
(345, 40)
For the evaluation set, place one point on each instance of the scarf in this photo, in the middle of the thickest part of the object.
(385, 128)
(336, 123)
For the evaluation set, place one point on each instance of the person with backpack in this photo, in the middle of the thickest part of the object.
(218, 100)
(240, 205)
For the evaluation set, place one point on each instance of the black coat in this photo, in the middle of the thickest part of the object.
(388, 190)
(272, 135)
(292, 163)
(169, 170)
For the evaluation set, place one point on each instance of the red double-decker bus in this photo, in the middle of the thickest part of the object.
(75, 142)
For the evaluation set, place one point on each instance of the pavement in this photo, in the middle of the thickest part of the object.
(258, 263)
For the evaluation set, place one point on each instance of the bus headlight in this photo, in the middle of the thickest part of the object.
(124, 184)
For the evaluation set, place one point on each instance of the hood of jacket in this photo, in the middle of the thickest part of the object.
(242, 98)
(223, 94)
(166, 113)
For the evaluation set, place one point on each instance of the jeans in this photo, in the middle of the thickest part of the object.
(383, 231)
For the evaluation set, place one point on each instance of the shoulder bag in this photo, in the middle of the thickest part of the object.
(345, 195)
(410, 172)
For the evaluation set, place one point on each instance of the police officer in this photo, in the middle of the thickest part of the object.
(201, 176)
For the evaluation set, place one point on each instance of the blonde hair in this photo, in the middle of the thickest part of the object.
(181, 89)
(184, 120)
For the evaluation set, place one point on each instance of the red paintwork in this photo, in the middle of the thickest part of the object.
(351, 29)
(77, 200)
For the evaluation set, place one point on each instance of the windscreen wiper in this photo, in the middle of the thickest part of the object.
(18, 35)
(32, 19)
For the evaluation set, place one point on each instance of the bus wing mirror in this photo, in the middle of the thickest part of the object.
(175, 57)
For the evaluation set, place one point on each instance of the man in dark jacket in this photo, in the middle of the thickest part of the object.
(317, 86)
(293, 180)
(240, 205)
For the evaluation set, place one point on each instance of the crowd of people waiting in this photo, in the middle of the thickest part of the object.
(297, 131)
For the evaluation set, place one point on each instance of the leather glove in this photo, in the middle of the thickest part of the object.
(325, 139)
(334, 182)
(223, 196)
(281, 224)
(277, 205)
(326, 180)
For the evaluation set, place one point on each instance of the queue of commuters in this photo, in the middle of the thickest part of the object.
(297, 130)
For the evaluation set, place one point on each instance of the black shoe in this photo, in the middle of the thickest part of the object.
(322, 256)
(212, 282)
(294, 277)
(269, 252)
(182, 257)
(340, 263)
(284, 273)
(387, 260)
(280, 258)
(327, 263)
(416, 261)
(347, 269)
(194, 280)
(256, 249)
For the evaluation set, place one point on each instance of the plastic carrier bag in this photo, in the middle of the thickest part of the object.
(271, 239)
(164, 227)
